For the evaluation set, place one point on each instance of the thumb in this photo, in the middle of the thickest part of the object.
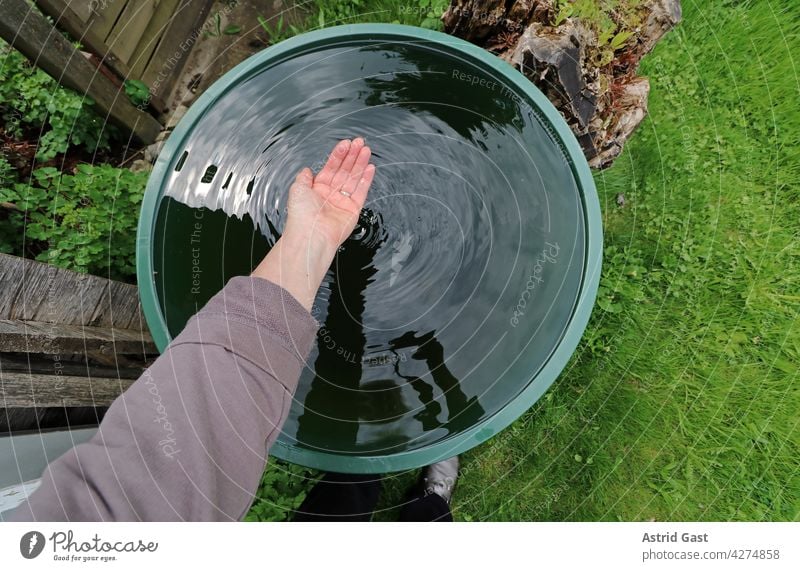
(305, 177)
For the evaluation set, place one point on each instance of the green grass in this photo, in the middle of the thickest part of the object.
(315, 14)
(682, 401)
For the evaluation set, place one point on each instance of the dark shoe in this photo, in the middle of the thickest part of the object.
(440, 478)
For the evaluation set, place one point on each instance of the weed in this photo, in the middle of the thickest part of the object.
(84, 221)
(31, 102)
(281, 491)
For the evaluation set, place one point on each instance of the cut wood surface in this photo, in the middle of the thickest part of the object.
(83, 8)
(77, 19)
(92, 327)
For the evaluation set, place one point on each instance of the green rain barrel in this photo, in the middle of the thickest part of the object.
(470, 278)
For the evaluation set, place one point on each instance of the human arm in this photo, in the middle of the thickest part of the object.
(189, 439)
(323, 211)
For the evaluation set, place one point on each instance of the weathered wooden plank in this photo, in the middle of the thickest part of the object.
(64, 16)
(130, 26)
(65, 365)
(31, 33)
(152, 35)
(84, 32)
(176, 42)
(74, 24)
(120, 307)
(104, 15)
(83, 8)
(58, 339)
(27, 391)
(34, 291)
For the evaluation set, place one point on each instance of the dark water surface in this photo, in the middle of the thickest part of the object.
(467, 262)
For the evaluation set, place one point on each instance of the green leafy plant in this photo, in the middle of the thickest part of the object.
(333, 13)
(84, 221)
(137, 92)
(613, 21)
(8, 174)
(325, 13)
(283, 488)
(280, 31)
(619, 39)
(8, 234)
(217, 30)
(432, 11)
(31, 101)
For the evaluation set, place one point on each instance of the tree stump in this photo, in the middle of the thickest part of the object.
(583, 57)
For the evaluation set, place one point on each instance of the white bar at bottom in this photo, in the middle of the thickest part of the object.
(388, 546)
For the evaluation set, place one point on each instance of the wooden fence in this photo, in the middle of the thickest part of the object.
(144, 40)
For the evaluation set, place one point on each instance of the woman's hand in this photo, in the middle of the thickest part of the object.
(323, 210)
(325, 207)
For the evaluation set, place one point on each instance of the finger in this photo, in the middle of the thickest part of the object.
(357, 171)
(333, 163)
(359, 195)
(347, 164)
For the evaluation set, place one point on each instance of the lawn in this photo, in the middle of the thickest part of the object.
(682, 400)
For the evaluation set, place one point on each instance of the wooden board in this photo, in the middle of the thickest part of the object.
(129, 27)
(104, 15)
(66, 365)
(23, 390)
(78, 27)
(33, 291)
(164, 12)
(83, 8)
(58, 339)
(176, 42)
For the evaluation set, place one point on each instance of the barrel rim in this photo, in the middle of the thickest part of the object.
(493, 424)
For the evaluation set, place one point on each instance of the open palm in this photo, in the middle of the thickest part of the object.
(327, 205)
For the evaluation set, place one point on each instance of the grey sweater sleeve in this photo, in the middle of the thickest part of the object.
(189, 439)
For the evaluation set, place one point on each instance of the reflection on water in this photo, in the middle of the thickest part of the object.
(464, 269)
